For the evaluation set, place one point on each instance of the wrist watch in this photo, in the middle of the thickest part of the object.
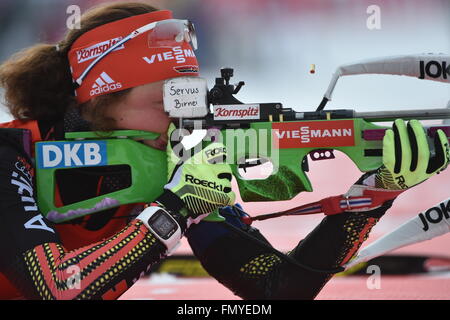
(163, 226)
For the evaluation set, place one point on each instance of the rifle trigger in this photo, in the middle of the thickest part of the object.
(305, 164)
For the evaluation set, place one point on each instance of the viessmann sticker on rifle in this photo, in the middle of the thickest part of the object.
(316, 134)
(236, 112)
(67, 154)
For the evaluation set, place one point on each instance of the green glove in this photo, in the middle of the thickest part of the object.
(407, 160)
(201, 181)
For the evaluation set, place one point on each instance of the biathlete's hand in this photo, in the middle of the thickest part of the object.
(407, 160)
(202, 182)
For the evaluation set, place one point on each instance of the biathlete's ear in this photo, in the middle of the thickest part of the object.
(175, 149)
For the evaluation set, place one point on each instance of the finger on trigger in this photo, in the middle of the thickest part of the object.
(444, 146)
(444, 143)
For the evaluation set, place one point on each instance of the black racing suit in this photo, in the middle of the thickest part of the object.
(34, 259)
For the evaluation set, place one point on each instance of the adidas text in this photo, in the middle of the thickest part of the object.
(435, 215)
(106, 88)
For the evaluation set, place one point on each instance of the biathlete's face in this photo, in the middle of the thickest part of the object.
(142, 109)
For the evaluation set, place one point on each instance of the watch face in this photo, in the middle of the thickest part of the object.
(163, 224)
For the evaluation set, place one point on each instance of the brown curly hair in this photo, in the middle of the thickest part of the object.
(38, 82)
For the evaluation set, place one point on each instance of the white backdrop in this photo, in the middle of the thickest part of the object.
(275, 42)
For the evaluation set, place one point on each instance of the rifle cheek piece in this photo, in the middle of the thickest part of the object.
(148, 168)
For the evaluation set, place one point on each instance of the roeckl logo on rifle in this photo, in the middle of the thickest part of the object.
(330, 133)
(104, 83)
(435, 215)
(205, 183)
(434, 69)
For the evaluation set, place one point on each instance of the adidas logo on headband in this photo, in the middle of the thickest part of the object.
(104, 83)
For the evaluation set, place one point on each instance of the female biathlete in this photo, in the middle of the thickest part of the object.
(77, 85)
